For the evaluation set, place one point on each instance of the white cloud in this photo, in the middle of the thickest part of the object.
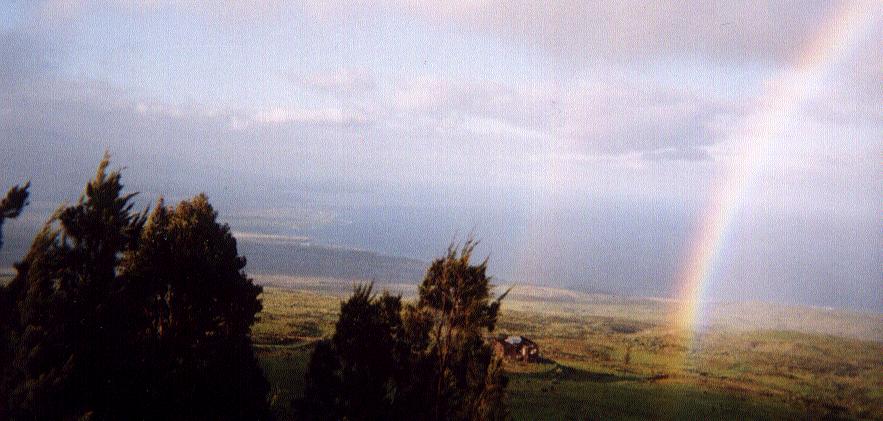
(586, 116)
(579, 30)
(342, 81)
(316, 116)
(491, 127)
(675, 154)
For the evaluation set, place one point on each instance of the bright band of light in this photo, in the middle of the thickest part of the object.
(781, 96)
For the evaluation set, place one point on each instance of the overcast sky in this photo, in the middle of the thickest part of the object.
(498, 103)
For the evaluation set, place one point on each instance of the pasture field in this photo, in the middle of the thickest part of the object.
(616, 358)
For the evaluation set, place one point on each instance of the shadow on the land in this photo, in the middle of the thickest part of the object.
(562, 372)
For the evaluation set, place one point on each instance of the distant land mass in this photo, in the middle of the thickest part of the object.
(300, 263)
(298, 256)
(610, 248)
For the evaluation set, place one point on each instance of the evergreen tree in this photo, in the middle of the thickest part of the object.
(12, 204)
(457, 314)
(426, 361)
(358, 373)
(198, 309)
(10, 207)
(113, 315)
(70, 359)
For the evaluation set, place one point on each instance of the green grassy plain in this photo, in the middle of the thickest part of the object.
(616, 358)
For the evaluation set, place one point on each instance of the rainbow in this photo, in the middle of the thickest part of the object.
(781, 96)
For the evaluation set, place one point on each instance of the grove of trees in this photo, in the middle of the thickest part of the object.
(115, 314)
(427, 361)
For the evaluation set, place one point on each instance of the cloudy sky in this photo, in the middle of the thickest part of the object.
(566, 115)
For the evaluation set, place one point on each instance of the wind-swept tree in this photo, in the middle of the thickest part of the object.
(12, 204)
(114, 315)
(426, 361)
(457, 312)
(358, 373)
(10, 207)
(70, 356)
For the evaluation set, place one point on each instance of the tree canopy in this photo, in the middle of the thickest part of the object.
(116, 315)
(10, 207)
(12, 204)
(428, 360)
(454, 305)
(197, 307)
(359, 372)
(119, 314)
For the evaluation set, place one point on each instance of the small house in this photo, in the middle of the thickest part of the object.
(517, 348)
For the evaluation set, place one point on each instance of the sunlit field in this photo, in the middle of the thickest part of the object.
(606, 357)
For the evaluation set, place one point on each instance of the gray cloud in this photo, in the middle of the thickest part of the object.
(607, 116)
(22, 58)
(852, 92)
(575, 30)
(342, 81)
(683, 154)
(590, 117)
(721, 31)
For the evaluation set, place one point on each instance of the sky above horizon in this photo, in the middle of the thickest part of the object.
(505, 107)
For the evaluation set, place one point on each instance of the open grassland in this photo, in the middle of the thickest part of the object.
(616, 358)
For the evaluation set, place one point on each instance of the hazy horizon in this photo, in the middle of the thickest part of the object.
(579, 144)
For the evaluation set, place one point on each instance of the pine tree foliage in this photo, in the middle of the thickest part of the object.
(428, 360)
(198, 308)
(12, 204)
(116, 315)
(10, 207)
(358, 372)
(455, 300)
(69, 349)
